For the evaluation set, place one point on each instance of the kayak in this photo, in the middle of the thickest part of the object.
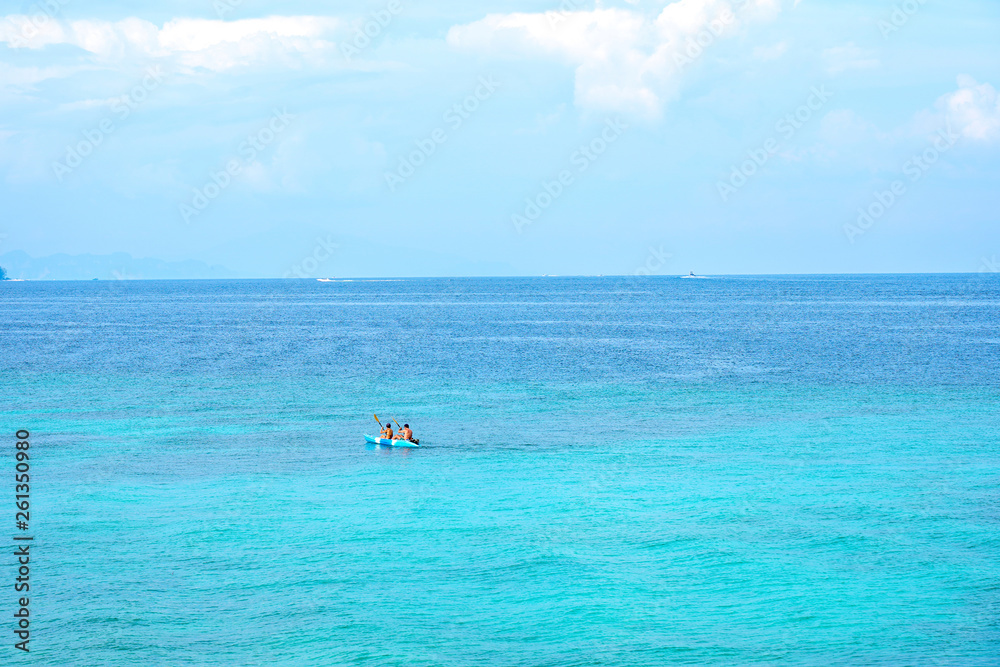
(392, 443)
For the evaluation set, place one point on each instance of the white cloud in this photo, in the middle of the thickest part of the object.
(843, 58)
(87, 105)
(846, 127)
(772, 52)
(625, 60)
(26, 77)
(544, 121)
(845, 136)
(194, 43)
(973, 110)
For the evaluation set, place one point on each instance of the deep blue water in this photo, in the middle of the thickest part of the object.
(654, 471)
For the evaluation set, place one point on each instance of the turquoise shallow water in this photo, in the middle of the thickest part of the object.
(766, 471)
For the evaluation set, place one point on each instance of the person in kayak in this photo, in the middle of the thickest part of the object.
(387, 432)
(406, 433)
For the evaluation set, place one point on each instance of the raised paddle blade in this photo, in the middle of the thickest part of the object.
(379, 423)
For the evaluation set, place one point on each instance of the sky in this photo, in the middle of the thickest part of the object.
(523, 137)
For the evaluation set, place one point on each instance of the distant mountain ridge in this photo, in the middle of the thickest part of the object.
(117, 266)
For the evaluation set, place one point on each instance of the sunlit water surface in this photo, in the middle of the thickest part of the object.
(637, 472)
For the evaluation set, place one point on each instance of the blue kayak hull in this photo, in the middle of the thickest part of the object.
(392, 443)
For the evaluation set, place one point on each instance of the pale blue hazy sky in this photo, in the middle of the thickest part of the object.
(115, 119)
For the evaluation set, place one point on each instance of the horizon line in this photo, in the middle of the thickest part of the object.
(472, 277)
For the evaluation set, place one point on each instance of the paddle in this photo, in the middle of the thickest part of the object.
(413, 440)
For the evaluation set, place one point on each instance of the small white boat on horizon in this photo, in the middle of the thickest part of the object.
(691, 275)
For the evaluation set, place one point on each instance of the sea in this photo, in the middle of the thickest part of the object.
(745, 470)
